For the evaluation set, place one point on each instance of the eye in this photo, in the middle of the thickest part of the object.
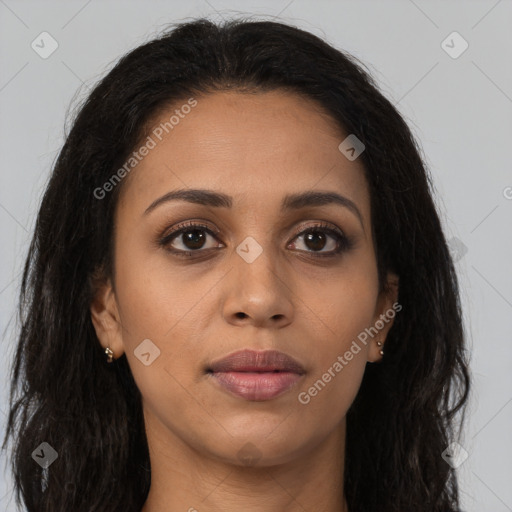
(188, 237)
(322, 240)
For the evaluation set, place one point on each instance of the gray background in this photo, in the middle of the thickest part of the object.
(459, 109)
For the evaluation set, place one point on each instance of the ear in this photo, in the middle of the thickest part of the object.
(385, 312)
(105, 316)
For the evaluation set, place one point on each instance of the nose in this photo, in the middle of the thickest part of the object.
(258, 292)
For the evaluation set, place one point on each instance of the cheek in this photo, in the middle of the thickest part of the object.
(154, 295)
(344, 305)
(340, 360)
(343, 311)
(156, 333)
(161, 303)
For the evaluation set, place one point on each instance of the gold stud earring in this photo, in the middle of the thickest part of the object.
(379, 344)
(109, 353)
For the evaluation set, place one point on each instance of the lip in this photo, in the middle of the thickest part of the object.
(255, 375)
(256, 361)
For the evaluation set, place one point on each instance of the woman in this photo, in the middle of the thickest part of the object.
(238, 295)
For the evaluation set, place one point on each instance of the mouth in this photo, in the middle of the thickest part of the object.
(256, 386)
(256, 376)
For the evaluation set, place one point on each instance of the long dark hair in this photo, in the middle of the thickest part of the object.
(409, 407)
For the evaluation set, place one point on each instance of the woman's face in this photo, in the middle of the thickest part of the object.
(248, 278)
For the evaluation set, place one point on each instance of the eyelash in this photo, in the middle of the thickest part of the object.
(344, 243)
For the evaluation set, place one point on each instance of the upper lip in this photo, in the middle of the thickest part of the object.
(256, 361)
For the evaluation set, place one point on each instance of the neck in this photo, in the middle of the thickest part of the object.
(182, 479)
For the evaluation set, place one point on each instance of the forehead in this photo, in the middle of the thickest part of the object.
(256, 147)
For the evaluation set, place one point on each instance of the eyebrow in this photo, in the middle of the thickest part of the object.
(290, 202)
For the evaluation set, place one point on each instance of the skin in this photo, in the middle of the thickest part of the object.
(256, 148)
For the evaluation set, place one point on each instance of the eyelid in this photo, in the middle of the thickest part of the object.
(320, 224)
(193, 223)
(184, 226)
(202, 223)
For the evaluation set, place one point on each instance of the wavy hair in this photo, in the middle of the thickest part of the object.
(409, 407)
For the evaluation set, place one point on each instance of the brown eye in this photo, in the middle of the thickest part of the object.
(323, 240)
(188, 238)
(315, 240)
(193, 239)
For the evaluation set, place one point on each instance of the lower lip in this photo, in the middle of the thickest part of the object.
(257, 386)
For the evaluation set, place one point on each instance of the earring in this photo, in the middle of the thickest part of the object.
(109, 353)
(379, 344)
